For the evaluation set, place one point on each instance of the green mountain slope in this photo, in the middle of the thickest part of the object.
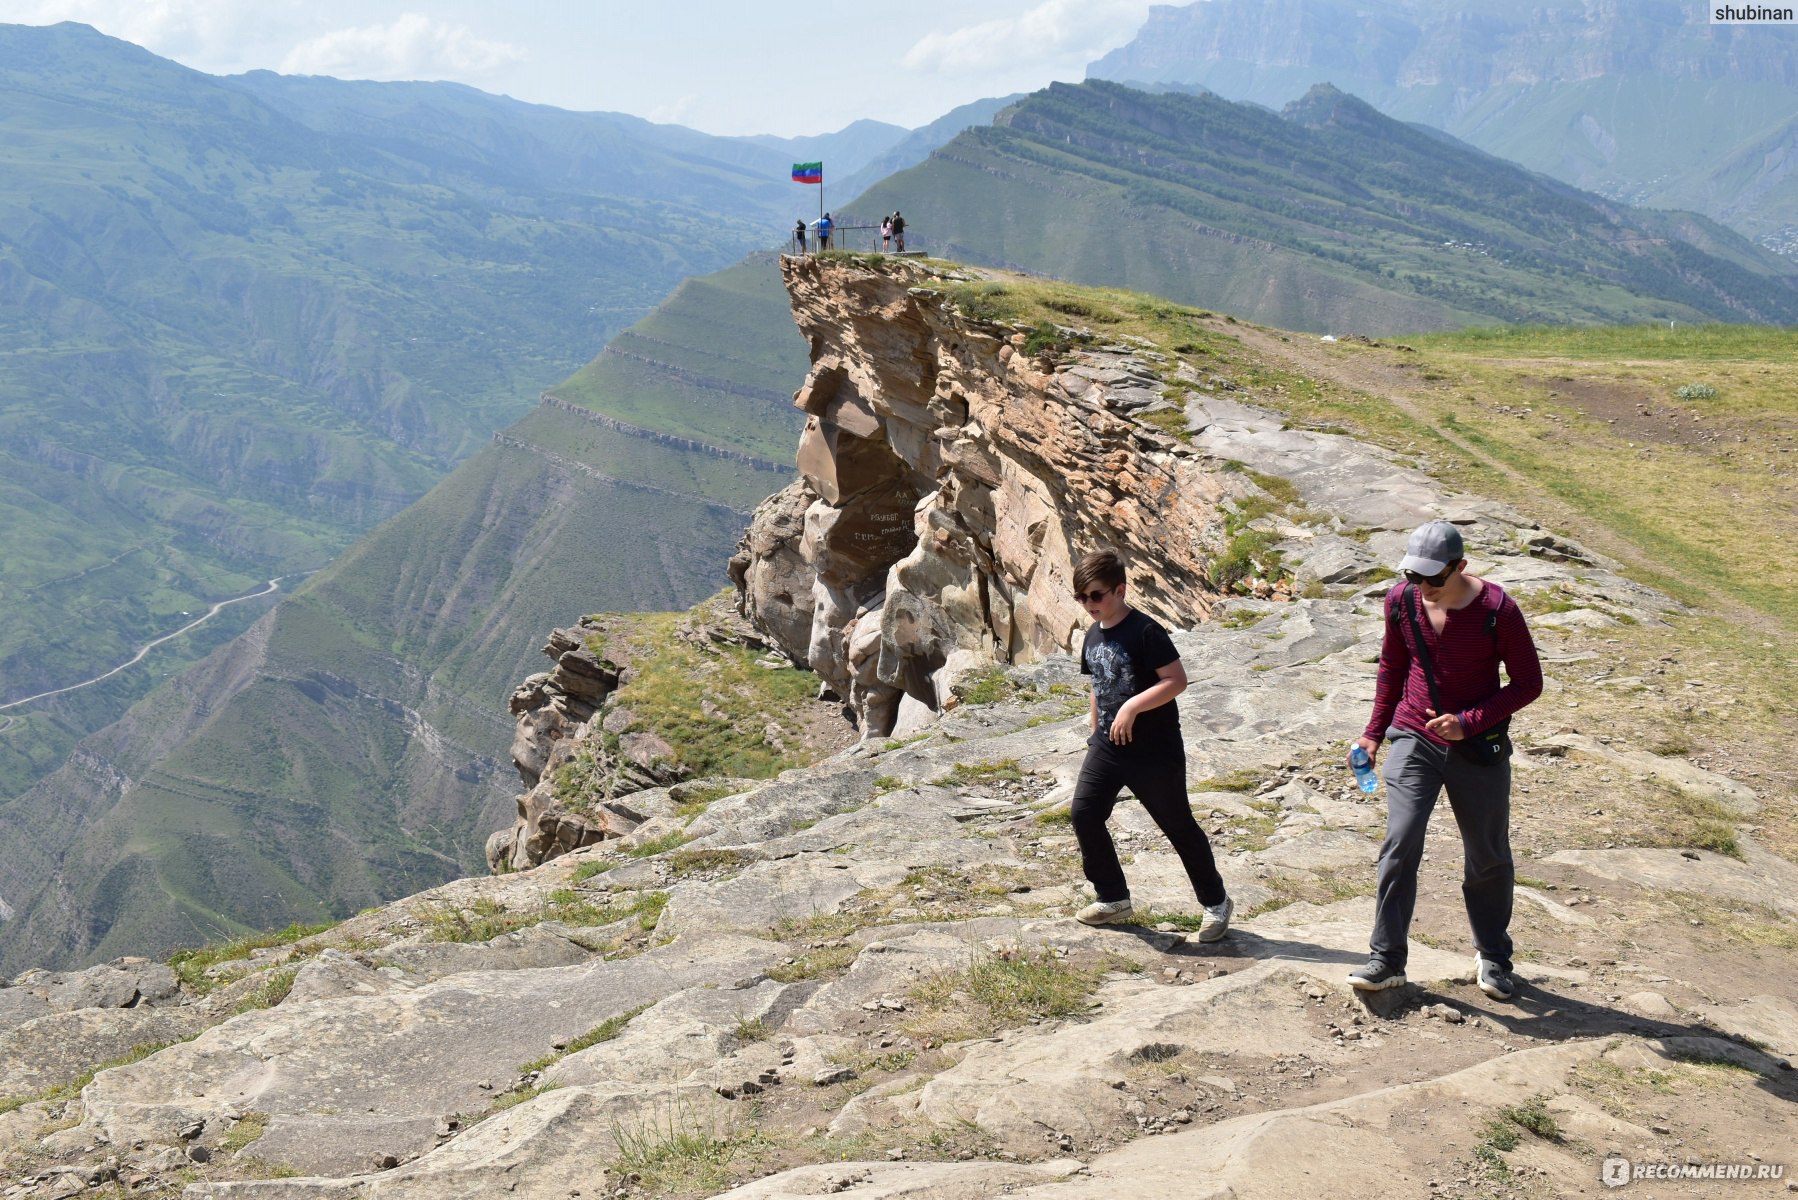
(1328, 215)
(1647, 103)
(243, 321)
(353, 746)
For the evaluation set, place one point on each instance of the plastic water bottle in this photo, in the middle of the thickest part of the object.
(1364, 772)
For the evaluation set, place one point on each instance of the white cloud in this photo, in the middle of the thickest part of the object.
(173, 28)
(677, 111)
(1065, 31)
(411, 47)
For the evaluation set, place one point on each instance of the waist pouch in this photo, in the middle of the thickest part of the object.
(1486, 749)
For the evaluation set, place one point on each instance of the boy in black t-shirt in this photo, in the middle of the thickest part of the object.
(1135, 743)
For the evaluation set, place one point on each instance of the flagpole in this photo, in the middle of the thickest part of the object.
(821, 192)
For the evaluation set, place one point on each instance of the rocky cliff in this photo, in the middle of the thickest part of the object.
(861, 978)
(949, 479)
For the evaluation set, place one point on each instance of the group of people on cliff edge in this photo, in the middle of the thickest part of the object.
(892, 231)
(1438, 701)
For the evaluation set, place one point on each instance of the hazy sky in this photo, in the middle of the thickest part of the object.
(724, 66)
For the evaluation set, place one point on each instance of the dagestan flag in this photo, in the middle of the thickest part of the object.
(808, 172)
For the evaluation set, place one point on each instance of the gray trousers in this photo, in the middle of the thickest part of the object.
(1416, 771)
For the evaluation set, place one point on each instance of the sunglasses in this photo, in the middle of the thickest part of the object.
(1432, 580)
(1093, 597)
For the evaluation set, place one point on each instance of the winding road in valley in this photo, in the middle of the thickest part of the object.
(273, 585)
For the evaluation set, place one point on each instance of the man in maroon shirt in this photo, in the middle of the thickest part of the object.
(1469, 626)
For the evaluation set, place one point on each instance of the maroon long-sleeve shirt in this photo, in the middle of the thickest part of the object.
(1466, 657)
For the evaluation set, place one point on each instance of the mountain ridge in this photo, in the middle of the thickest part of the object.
(1361, 223)
(1646, 103)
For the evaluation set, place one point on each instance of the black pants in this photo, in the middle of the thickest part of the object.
(1159, 781)
(1416, 772)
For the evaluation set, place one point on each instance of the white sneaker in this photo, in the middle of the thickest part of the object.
(1493, 979)
(1107, 912)
(1217, 920)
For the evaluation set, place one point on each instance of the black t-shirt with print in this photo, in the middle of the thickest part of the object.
(1123, 661)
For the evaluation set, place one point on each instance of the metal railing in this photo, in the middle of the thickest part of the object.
(855, 238)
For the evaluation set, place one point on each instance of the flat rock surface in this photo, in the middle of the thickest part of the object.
(417, 1053)
(1766, 879)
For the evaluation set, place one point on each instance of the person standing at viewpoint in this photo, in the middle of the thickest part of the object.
(824, 227)
(1134, 742)
(898, 232)
(1438, 700)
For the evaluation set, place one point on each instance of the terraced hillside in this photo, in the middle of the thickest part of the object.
(1649, 103)
(1324, 216)
(353, 746)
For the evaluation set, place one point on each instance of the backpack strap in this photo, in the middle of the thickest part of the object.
(1422, 648)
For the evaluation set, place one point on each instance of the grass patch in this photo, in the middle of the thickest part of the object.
(654, 846)
(605, 1031)
(817, 927)
(1326, 885)
(1533, 1116)
(1688, 819)
(710, 701)
(1245, 779)
(1004, 770)
(249, 1127)
(487, 918)
(514, 1098)
(1739, 922)
(814, 964)
(673, 1151)
(1495, 1138)
(1170, 421)
(1001, 992)
(691, 799)
(694, 862)
(985, 686)
(190, 966)
(270, 992)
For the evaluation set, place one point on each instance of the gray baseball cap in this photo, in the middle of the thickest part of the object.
(1432, 548)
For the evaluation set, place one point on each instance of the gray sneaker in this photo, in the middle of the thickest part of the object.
(1107, 912)
(1493, 979)
(1217, 920)
(1376, 976)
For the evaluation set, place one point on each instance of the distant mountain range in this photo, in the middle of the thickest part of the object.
(1645, 102)
(1326, 215)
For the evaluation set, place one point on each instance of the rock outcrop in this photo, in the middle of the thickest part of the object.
(593, 769)
(948, 481)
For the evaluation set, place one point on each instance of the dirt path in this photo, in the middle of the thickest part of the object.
(1385, 374)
